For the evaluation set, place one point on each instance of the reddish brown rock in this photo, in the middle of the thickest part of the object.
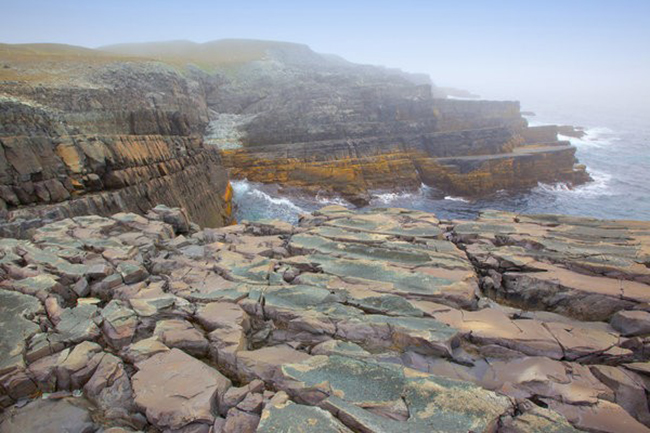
(174, 390)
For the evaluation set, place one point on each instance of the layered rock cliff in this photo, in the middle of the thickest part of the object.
(125, 127)
(306, 121)
(384, 321)
(84, 132)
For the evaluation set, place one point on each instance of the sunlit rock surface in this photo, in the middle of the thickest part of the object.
(384, 321)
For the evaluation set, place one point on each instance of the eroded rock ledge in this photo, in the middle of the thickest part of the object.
(384, 321)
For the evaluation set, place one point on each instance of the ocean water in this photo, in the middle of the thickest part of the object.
(616, 151)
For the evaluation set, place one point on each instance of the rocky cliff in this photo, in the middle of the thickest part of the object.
(129, 126)
(282, 113)
(384, 321)
(85, 132)
(343, 128)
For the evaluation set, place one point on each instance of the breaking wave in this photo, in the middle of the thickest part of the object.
(254, 203)
(452, 198)
(600, 186)
(594, 137)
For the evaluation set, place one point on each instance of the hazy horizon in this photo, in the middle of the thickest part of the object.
(586, 50)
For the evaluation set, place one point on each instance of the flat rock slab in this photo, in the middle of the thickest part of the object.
(49, 416)
(386, 397)
(15, 328)
(370, 322)
(582, 267)
(174, 389)
(297, 418)
(395, 222)
(265, 363)
(78, 324)
(317, 313)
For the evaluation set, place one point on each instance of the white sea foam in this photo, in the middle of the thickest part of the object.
(389, 198)
(452, 198)
(594, 137)
(243, 188)
(278, 201)
(326, 201)
(598, 187)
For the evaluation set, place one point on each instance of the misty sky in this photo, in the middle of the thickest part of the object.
(498, 48)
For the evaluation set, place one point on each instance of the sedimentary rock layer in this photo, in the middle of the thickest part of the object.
(298, 118)
(384, 321)
(343, 130)
(88, 133)
(464, 163)
(98, 131)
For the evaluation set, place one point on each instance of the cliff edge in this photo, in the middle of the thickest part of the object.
(86, 132)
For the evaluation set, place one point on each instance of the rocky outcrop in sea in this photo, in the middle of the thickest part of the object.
(382, 321)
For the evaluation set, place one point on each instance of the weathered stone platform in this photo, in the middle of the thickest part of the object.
(385, 321)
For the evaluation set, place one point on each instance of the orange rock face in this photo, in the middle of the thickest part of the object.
(323, 167)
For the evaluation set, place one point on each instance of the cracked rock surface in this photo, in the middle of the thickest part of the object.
(383, 321)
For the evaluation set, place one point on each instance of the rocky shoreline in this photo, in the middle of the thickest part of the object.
(389, 320)
(124, 128)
